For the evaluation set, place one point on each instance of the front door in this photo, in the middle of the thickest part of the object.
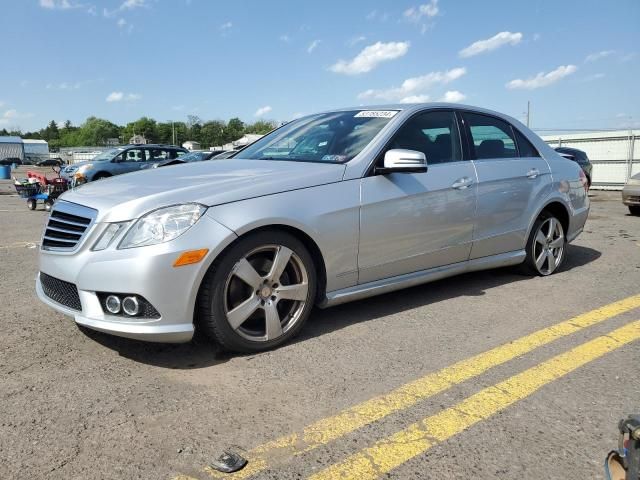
(416, 221)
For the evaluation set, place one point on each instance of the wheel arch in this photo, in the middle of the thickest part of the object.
(309, 243)
(101, 174)
(559, 209)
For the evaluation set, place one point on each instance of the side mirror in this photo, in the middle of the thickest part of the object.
(403, 161)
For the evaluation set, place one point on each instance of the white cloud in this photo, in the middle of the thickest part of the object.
(115, 97)
(285, 38)
(58, 4)
(65, 86)
(453, 96)
(125, 6)
(262, 111)
(225, 27)
(428, 10)
(489, 44)
(313, 45)
(415, 99)
(121, 22)
(543, 79)
(594, 76)
(370, 57)
(12, 115)
(415, 85)
(120, 96)
(376, 15)
(131, 4)
(356, 40)
(593, 57)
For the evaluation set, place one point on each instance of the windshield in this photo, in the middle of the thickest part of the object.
(108, 155)
(334, 137)
(193, 157)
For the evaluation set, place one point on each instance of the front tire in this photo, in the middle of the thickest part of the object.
(259, 294)
(634, 210)
(546, 246)
(31, 204)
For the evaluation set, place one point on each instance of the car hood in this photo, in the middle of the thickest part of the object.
(129, 196)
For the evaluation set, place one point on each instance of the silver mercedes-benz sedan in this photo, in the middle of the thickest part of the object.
(329, 208)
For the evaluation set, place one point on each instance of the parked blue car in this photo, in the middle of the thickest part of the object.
(119, 160)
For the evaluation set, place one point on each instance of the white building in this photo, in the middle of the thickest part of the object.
(615, 155)
(191, 145)
(239, 143)
(11, 147)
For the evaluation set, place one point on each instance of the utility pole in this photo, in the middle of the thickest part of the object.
(173, 132)
(528, 111)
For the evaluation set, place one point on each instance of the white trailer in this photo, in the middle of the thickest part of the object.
(11, 147)
(615, 155)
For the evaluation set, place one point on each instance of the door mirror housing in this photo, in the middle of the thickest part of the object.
(403, 161)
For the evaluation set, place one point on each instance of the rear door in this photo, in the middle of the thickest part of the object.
(416, 221)
(512, 179)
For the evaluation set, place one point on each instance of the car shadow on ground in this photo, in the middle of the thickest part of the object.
(199, 353)
(469, 284)
(202, 353)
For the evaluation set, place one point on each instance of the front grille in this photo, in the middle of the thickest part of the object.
(67, 224)
(59, 291)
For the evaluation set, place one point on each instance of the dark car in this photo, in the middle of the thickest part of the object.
(198, 156)
(580, 158)
(50, 162)
(10, 161)
(119, 160)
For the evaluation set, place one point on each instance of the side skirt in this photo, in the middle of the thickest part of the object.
(399, 282)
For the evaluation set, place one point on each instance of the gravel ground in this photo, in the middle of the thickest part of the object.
(81, 405)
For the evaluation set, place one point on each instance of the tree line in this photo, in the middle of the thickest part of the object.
(97, 131)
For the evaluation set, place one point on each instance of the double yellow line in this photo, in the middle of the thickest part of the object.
(419, 437)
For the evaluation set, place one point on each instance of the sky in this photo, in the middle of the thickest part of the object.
(577, 62)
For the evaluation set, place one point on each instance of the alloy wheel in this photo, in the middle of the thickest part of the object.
(548, 246)
(266, 293)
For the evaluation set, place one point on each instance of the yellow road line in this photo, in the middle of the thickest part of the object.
(328, 429)
(393, 451)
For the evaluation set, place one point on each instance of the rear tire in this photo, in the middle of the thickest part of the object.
(546, 247)
(48, 204)
(259, 294)
(31, 204)
(633, 210)
(101, 176)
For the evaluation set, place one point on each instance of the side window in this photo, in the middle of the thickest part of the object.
(525, 147)
(492, 137)
(134, 155)
(157, 154)
(433, 133)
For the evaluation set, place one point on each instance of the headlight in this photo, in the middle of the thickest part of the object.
(162, 225)
(84, 168)
(111, 232)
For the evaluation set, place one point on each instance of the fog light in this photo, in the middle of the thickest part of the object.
(130, 306)
(113, 304)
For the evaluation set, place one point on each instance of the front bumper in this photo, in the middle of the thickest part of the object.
(631, 195)
(145, 271)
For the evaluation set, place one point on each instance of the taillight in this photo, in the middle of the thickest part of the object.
(584, 181)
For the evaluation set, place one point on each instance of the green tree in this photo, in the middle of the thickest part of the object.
(261, 127)
(211, 134)
(145, 126)
(234, 130)
(96, 131)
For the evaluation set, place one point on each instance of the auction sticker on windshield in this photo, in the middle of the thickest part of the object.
(376, 114)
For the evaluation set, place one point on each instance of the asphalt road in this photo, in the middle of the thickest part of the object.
(395, 387)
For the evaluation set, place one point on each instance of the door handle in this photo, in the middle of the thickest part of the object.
(533, 173)
(462, 183)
